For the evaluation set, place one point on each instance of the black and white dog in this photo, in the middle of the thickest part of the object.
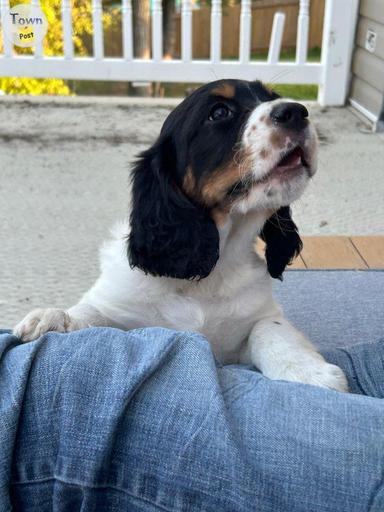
(228, 162)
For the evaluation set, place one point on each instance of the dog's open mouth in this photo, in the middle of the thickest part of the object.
(290, 164)
(292, 160)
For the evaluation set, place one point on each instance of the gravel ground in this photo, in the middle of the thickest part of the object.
(64, 182)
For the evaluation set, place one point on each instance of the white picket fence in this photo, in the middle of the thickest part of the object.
(331, 74)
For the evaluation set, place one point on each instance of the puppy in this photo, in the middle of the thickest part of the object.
(227, 164)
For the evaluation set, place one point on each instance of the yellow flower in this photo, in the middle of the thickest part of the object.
(53, 45)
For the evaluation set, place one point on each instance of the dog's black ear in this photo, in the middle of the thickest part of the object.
(170, 236)
(283, 243)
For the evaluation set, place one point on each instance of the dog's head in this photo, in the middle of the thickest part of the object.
(231, 146)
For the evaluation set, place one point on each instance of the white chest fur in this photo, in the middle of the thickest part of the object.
(223, 306)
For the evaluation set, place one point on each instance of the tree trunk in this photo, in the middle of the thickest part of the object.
(141, 38)
(169, 28)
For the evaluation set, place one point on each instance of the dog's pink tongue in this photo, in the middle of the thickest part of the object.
(292, 160)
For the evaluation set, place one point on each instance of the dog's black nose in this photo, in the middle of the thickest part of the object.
(292, 116)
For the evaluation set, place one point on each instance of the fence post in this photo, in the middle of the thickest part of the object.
(157, 31)
(276, 38)
(186, 31)
(98, 34)
(215, 31)
(338, 39)
(7, 45)
(302, 32)
(39, 45)
(245, 31)
(127, 29)
(66, 16)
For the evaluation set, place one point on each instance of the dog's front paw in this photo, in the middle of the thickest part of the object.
(40, 321)
(317, 372)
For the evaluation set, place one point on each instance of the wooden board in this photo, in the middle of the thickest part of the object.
(337, 252)
(371, 249)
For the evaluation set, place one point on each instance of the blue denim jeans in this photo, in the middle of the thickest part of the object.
(106, 420)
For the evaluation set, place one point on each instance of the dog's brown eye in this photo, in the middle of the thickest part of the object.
(219, 112)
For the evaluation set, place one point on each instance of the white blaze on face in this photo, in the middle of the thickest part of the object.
(257, 139)
(265, 143)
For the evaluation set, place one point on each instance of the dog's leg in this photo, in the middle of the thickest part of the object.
(40, 321)
(281, 352)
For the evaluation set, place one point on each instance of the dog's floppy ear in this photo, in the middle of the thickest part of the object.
(170, 236)
(283, 243)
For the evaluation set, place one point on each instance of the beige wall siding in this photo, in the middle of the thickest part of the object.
(366, 24)
(366, 95)
(370, 68)
(367, 87)
(373, 9)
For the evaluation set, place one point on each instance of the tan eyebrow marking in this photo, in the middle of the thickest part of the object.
(224, 90)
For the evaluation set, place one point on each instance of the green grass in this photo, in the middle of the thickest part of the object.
(294, 91)
(314, 55)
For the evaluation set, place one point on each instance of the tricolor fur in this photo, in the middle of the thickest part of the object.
(228, 162)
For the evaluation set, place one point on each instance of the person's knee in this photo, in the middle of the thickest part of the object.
(108, 351)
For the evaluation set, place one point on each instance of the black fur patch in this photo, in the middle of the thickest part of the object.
(283, 243)
(170, 236)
